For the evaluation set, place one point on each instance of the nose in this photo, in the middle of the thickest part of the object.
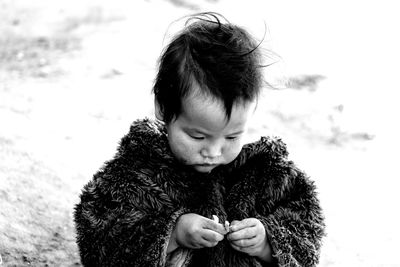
(212, 150)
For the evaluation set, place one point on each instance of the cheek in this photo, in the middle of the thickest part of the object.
(234, 150)
(182, 148)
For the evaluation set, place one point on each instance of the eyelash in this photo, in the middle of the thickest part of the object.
(199, 138)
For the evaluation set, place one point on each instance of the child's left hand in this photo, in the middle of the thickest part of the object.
(248, 236)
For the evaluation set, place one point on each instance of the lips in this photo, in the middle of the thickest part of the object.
(205, 167)
(208, 164)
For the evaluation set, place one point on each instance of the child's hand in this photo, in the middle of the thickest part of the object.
(248, 236)
(195, 231)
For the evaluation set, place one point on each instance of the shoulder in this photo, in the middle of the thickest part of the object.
(147, 126)
(267, 160)
(272, 146)
(267, 149)
(271, 161)
(144, 130)
(144, 136)
(140, 150)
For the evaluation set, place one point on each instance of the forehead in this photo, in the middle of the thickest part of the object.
(207, 113)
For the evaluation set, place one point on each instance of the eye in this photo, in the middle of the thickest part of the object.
(231, 138)
(197, 137)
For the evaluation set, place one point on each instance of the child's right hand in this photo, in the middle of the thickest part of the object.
(195, 231)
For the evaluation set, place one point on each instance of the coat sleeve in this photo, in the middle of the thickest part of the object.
(292, 216)
(124, 223)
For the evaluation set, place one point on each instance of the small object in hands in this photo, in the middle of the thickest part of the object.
(215, 218)
(227, 226)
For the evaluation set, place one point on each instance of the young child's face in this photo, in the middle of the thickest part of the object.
(202, 137)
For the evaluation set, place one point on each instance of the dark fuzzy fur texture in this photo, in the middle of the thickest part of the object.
(129, 208)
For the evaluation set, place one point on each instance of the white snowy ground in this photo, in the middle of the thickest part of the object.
(68, 119)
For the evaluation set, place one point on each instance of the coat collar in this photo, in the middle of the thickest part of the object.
(153, 133)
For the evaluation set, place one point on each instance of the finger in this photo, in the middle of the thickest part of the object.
(216, 227)
(245, 233)
(242, 249)
(212, 236)
(238, 225)
(234, 222)
(250, 250)
(201, 242)
(208, 244)
(244, 243)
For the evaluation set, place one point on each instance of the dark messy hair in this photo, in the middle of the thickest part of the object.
(222, 58)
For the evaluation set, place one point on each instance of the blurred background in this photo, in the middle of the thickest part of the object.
(75, 74)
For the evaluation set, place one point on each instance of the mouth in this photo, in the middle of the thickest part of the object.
(207, 164)
(205, 167)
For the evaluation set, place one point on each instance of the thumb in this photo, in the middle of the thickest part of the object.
(214, 226)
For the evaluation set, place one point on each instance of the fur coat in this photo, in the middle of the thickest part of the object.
(128, 210)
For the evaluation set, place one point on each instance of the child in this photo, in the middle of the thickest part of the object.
(153, 204)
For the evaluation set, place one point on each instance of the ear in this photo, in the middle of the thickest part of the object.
(157, 110)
